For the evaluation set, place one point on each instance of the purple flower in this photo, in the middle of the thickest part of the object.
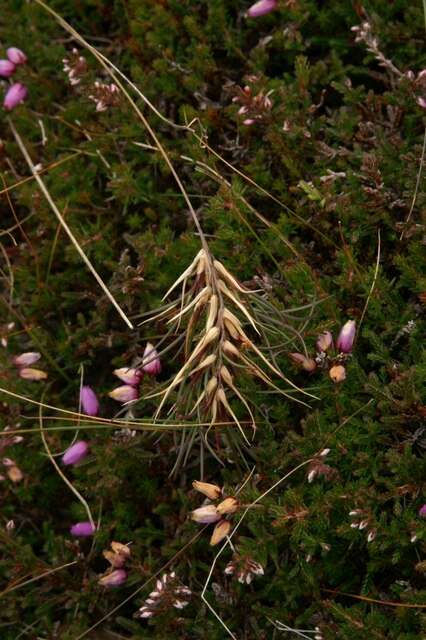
(422, 511)
(89, 401)
(76, 452)
(125, 393)
(16, 56)
(7, 68)
(151, 360)
(14, 96)
(346, 337)
(82, 529)
(261, 8)
(114, 579)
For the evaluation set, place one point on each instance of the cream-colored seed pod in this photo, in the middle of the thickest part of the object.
(211, 385)
(230, 349)
(226, 376)
(211, 318)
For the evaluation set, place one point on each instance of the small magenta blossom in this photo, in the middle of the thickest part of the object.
(151, 360)
(16, 56)
(76, 452)
(15, 95)
(7, 68)
(114, 579)
(346, 337)
(129, 375)
(422, 511)
(82, 529)
(125, 393)
(261, 8)
(89, 401)
(26, 359)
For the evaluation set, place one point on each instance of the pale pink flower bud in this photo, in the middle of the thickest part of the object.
(151, 361)
(346, 337)
(82, 529)
(7, 68)
(261, 8)
(26, 359)
(10, 525)
(422, 511)
(248, 122)
(129, 375)
(421, 102)
(75, 453)
(88, 400)
(337, 373)
(114, 579)
(15, 95)
(32, 374)
(206, 514)
(16, 56)
(124, 394)
(324, 341)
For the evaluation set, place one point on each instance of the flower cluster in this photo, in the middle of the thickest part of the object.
(244, 568)
(362, 521)
(12, 470)
(318, 468)
(75, 67)
(117, 556)
(169, 592)
(329, 356)
(132, 376)
(17, 92)
(364, 33)
(420, 86)
(217, 514)
(23, 363)
(105, 95)
(254, 106)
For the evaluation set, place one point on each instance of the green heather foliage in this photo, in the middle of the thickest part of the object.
(339, 151)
